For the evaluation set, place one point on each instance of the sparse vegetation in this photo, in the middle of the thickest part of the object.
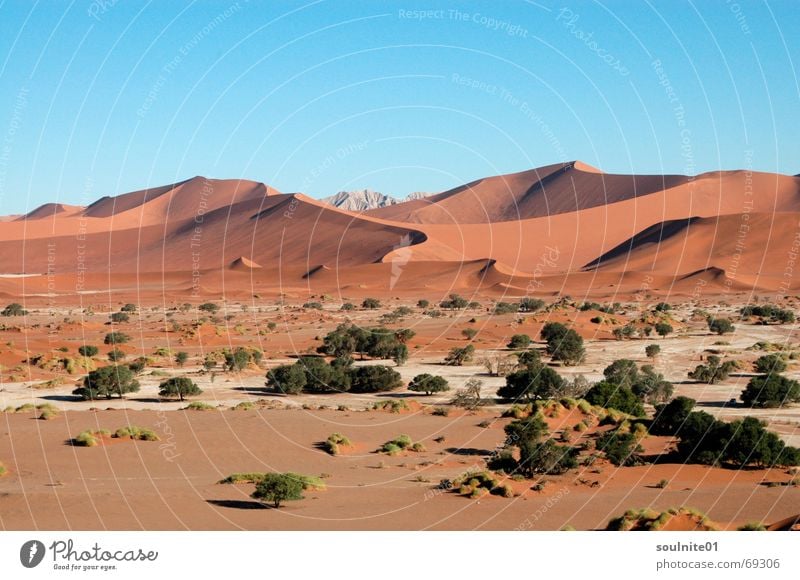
(277, 488)
(334, 442)
(180, 387)
(428, 384)
(771, 391)
(458, 356)
(714, 371)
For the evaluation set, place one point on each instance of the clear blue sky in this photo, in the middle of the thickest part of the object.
(98, 98)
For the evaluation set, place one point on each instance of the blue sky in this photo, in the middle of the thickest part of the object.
(98, 98)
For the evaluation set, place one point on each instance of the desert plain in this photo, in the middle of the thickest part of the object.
(208, 267)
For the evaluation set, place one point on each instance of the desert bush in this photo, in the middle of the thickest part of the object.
(106, 382)
(277, 488)
(768, 313)
(720, 325)
(198, 406)
(469, 333)
(13, 309)
(237, 360)
(440, 411)
(88, 350)
(506, 308)
(458, 356)
(454, 302)
(714, 371)
(393, 406)
(563, 344)
(136, 433)
(669, 417)
(528, 304)
(532, 385)
(313, 305)
(428, 384)
(770, 363)
(398, 444)
(287, 379)
(621, 448)
(119, 317)
(610, 396)
(209, 307)
(752, 527)
(663, 329)
(771, 391)
(519, 341)
(652, 350)
(469, 397)
(116, 338)
(333, 442)
(180, 387)
(374, 379)
(371, 303)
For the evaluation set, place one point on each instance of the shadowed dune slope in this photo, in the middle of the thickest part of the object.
(565, 226)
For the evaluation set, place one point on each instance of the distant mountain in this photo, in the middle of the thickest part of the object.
(360, 200)
(366, 199)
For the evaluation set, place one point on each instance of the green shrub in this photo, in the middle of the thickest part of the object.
(334, 441)
(136, 433)
(116, 338)
(771, 391)
(770, 363)
(393, 406)
(88, 350)
(752, 527)
(276, 488)
(198, 406)
(428, 384)
(180, 387)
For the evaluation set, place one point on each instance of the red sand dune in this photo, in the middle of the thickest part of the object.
(565, 227)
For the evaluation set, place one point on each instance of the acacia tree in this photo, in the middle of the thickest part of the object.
(287, 379)
(428, 384)
(178, 387)
(276, 488)
(563, 344)
(181, 357)
(771, 391)
(106, 382)
(720, 325)
(532, 385)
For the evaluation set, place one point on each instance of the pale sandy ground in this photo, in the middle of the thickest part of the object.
(679, 354)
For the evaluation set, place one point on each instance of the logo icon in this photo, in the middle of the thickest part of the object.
(31, 553)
